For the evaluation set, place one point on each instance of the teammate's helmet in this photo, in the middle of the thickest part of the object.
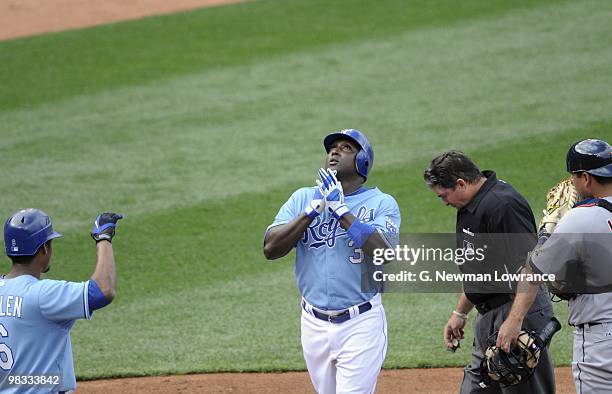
(365, 157)
(25, 231)
(592, 156)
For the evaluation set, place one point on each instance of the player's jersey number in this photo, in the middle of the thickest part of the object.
(357, 257)
(6, 355)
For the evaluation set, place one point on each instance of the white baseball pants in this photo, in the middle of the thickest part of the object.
(346, 357)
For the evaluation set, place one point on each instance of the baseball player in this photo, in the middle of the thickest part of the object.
(36, 315)
(579, 252)
(487, 205)
(333, 226)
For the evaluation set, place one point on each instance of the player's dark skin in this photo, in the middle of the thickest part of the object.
(341, 157)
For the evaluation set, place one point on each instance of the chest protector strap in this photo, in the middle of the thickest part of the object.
(600, 202)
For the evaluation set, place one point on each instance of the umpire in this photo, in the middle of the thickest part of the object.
(487, 205)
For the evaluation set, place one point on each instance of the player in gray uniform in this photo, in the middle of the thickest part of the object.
(579, 253)
(333, 227)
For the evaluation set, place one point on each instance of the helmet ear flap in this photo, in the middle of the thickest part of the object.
(362, 163)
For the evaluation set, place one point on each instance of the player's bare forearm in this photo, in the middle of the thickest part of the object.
(105, 273)
(526, 294)
(282, 238)
(374, 241)
(511, 328)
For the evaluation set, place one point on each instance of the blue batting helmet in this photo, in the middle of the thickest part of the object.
(365, 157)
(592, 156)
(25, 231)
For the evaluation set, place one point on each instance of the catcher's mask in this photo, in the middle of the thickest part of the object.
(509, 369)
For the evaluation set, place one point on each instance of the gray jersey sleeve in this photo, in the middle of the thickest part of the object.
(578, 252)
(560, 255)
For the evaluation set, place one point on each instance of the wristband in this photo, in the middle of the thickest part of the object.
(464, 316)
(340, 211)
(311, 212)
(542, 237)
(359, 232)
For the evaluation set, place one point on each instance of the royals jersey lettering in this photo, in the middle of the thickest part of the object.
(327, 265)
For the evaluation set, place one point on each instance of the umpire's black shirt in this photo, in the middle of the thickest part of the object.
(496, 208)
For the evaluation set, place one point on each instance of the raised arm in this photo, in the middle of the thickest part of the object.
(105, 274)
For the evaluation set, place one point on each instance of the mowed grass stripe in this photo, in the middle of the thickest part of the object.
(196, 295)
(55, 66)
(225, 132)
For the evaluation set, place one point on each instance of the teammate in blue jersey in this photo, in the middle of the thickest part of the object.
(36, 315)
(333, 226)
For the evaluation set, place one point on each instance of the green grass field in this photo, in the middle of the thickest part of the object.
(198, 126)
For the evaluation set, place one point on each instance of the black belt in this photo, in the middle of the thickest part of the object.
(581, 326)
(493, 303)
(339, 317)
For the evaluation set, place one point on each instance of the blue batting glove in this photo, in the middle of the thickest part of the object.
(317, 204)
(104, 226)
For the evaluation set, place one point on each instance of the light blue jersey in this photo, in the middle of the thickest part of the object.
(35, 321)
(327, 266)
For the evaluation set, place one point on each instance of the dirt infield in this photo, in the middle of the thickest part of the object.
(431, 381)
(20, 18)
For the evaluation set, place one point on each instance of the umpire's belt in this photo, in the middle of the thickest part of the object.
(339, 317)
(493, 302)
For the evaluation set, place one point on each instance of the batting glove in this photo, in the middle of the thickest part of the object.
(334, 195)
(317, 204)
(104, 226)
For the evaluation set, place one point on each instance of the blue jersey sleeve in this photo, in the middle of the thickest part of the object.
(388, 220)
(294, 206)
(95, 298)
(62, 301)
